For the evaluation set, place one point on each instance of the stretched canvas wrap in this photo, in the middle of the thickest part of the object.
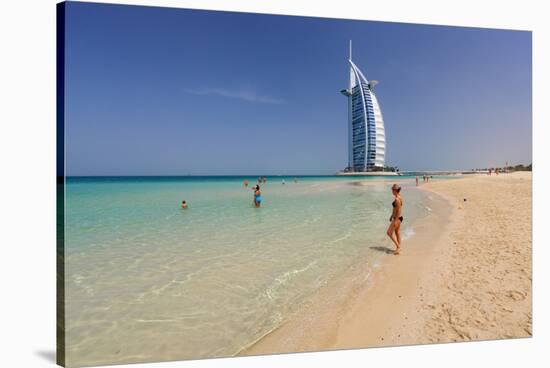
(242, 184)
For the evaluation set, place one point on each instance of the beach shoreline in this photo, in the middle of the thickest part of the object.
(319, 326)
(442, 287)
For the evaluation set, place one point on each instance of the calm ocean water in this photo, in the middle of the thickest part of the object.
(146, 280)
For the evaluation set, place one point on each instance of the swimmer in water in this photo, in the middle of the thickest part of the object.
(245, 183)
(257, 196)
(184, 205)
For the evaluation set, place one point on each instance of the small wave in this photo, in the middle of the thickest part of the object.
(408, 233)
(280, 281)
(78, 278)
(347, 235)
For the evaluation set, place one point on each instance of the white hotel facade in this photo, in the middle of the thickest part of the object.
(366, 135)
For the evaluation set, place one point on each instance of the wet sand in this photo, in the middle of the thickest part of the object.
(465, 275)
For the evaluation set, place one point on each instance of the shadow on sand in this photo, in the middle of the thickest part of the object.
(383, 249)
(48, 355)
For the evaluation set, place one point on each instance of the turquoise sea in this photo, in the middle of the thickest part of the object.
(146, 280)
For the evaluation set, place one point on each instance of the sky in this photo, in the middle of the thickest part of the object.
(164, 91)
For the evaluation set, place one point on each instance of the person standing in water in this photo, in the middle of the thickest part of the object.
(257, 196)
(394, 230)
(417, 181)
(245, 183)
(184, 205)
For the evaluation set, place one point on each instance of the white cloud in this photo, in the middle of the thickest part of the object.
(250, 96)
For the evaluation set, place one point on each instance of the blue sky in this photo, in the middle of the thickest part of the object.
(161, 91)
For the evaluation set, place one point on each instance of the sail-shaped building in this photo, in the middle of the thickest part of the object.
(366, 136)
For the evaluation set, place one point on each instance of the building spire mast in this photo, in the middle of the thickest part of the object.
(350, 49)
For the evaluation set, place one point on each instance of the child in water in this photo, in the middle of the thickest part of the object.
(184, 205)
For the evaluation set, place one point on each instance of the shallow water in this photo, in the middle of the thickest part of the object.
(148, 281)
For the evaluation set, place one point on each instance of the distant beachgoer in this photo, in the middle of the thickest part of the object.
(417, 181)
(245, 183)
(295, 180)
(265, 179)
(184, 205)
(257, 196)
(394, 230)
(283, 182)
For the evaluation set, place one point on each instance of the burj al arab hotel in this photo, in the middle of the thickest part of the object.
(366, 137)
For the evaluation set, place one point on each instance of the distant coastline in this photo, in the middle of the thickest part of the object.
(368, 173)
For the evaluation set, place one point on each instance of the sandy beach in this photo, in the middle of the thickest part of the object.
(465, 275)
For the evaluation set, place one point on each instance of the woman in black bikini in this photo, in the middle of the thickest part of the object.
(394, 230)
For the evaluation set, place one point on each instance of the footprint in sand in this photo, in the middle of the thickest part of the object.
(516, 295)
